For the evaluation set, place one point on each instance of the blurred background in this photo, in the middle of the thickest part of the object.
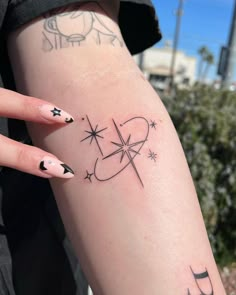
(193, 69)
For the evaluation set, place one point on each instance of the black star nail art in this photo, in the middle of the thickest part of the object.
(67, 169)
(56, 112)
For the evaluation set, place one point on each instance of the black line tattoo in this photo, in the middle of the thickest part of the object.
(94, 134)
(125, 148)
(198, 278)
(88, 176)
(152, 155)
(153, 124)
(59, 32)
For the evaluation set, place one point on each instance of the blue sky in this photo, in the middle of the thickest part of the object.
(204, 22)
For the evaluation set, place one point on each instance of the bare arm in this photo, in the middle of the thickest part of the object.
(131, 210)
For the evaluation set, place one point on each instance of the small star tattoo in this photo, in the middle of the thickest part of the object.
(126, 148)
(152, 156)
(94, 135)
(88, 176)
(153, 124)
(56, 112)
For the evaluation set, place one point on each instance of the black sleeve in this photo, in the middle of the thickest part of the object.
(137, 19)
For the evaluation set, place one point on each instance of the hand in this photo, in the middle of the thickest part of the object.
(26, 158)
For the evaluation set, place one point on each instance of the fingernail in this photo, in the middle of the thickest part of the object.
(56, 168)
(55, 114)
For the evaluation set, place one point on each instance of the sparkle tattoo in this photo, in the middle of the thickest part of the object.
(153, 124)
(125, 148)
(94, 135)
(130, 137)
(88, 176)
(152, 155)
(203, 283)
(72, 28)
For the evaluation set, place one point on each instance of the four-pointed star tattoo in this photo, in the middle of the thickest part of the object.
(94, 134)
(126, 148)
(88, 176)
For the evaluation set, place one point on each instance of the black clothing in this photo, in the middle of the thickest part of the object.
(42, 259)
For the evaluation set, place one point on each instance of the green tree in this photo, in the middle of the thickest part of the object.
(206, 123)
(203, 52)
(209, 59)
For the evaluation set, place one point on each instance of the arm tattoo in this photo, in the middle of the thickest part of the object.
(94, 134)
(72, 28)
(127, 145)
(152, 155)
(200, 279)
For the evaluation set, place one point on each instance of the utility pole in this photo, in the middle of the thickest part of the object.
(179, 14)
(230, 65)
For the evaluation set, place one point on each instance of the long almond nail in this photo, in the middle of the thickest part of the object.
(54, 167)
(55, 114)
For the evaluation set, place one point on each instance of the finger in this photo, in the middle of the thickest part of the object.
(31, 160)
(18, 106)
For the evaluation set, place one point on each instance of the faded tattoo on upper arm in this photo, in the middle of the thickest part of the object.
(72, 28)
(125, 147)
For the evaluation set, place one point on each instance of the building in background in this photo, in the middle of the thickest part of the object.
(156, 66)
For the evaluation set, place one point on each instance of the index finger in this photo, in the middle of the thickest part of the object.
(18, 106)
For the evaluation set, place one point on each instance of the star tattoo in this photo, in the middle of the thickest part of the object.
(88, 176)
(56, 112)
(153, 124)
(152, 155)
(94, 134)
(126, 148)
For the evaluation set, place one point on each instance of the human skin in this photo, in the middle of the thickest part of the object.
(138, 230)
(23, 157)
